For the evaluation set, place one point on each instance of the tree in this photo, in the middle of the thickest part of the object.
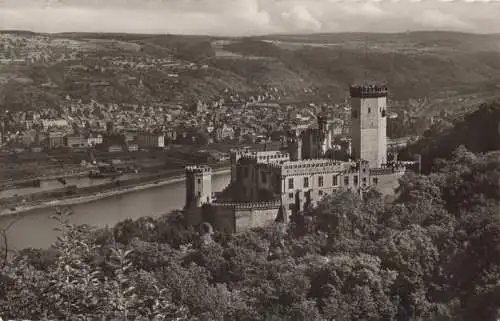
(413, 254)
(354, 288)
(475, 266)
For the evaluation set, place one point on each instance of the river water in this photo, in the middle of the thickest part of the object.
(35, 228)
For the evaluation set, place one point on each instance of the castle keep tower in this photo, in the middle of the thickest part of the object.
(369, 124)
(198, 186)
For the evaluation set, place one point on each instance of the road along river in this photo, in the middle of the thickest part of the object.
(35, 228)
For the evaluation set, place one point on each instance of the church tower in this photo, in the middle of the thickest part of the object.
(198, 186)
(369, 124)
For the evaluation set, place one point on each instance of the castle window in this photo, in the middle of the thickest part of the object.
(356, 180)
(375, 181)
(290, 183)
(306, 181)
(369, 110)
(320, 181)
(335, 181)
(346, 180)
(199, 181)
(290, 195)
(364, 179)
(320, 193)
(199, 194)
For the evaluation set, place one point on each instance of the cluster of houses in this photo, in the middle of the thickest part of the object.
(130, 140)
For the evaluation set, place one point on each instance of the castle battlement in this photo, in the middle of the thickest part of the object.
(245, 149)
(369, 91)
(198, 169)
(386, 171)
(271, 157)
(311, 167)
(275, 164)
(310, 163)
(246, 159)
(249, 205)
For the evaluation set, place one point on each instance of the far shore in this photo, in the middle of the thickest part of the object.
(100, 195)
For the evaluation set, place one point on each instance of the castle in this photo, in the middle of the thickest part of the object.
(270, 186)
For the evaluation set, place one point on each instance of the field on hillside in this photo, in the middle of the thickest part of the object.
(40, 70)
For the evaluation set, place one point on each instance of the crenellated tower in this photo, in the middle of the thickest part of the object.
(369, 124)
(322, 139)
(198, 186)
(234, 155)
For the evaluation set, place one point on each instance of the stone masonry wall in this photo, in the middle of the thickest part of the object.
(387, 183)
(252, 218)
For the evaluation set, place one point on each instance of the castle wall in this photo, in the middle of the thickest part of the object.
(245, 180)
(255, 217)
(238, 217)
(267, 181)
(222, 218)
(311, 182)
(385, 181)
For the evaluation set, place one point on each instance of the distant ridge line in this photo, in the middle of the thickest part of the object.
(257, 36)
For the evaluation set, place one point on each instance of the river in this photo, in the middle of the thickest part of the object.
(35, 228)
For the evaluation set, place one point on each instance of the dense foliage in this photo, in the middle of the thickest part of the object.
(478, 131)
(432, 254)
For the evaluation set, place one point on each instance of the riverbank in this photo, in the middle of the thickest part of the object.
(9, 184)
(101, 195)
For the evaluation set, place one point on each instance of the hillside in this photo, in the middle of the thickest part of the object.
(478, 132)
(40, 70)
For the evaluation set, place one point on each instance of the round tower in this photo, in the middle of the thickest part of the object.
(369, 124)
(198, 186)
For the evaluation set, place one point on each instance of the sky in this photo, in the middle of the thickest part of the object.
(249, 17)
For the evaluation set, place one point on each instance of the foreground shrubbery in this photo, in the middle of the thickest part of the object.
(434, 254)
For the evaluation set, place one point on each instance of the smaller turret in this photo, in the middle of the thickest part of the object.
(198, 186)
(322, 124)
(294, 145)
